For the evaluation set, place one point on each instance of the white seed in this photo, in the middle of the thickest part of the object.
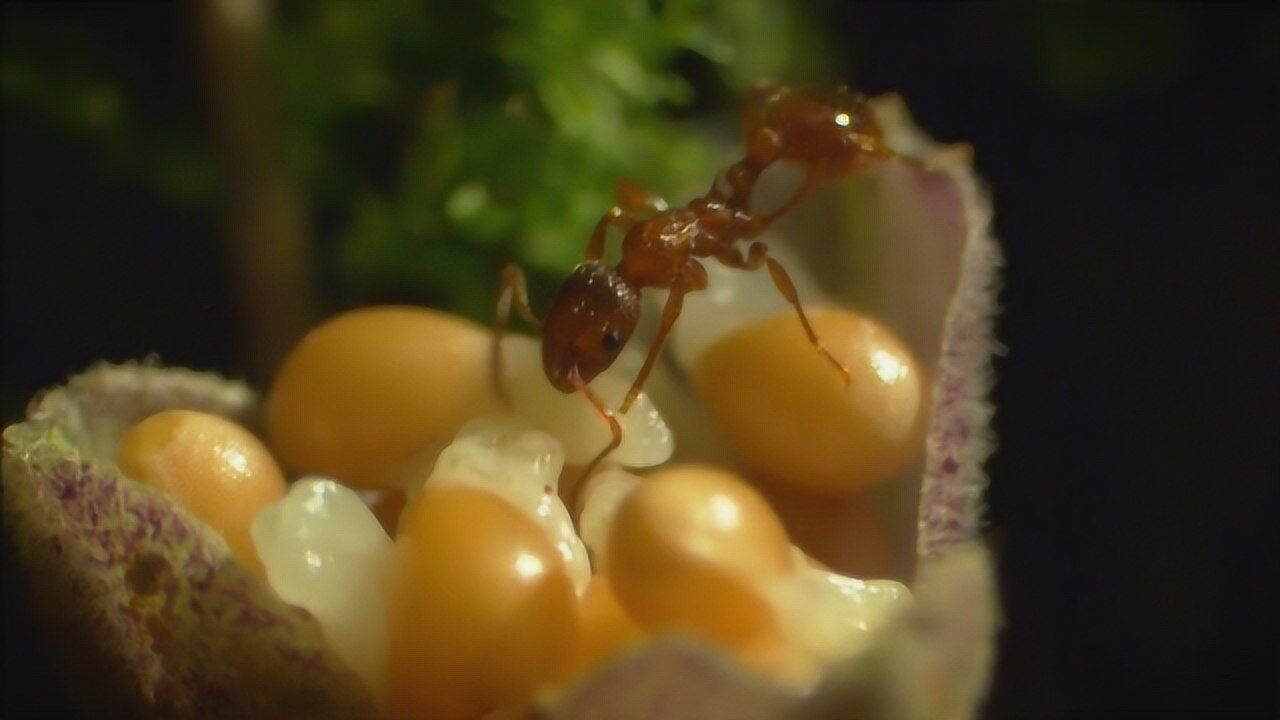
(601, 496)
(646, 438)
(324, 551)
(505, 456)
(833, 617)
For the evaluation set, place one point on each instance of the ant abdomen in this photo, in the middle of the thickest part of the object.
(828, 132)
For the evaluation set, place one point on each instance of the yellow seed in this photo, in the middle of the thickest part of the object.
(846, 533)
(365, 392)
(774, 657)
(481, 608)
(607, 630)
(789, 414)
(691, 549)
(211, 466)
(386, 506)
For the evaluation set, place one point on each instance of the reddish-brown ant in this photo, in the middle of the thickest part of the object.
(829, 134)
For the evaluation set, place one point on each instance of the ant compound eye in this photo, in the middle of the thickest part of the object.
(611, 341)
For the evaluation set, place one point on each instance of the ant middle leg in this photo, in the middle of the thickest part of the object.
(757, 255)
(512, 290)
(670, 313)
(693, 278)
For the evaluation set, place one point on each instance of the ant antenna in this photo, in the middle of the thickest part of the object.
(615, 431)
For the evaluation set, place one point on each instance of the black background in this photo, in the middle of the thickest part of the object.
(1133, 501)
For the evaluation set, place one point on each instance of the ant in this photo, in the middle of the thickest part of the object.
(830, 134)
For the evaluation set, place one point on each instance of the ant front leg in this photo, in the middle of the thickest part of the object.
(693, 278)
(634, 203)
(615, 432)
(512, 289)
(757, 255)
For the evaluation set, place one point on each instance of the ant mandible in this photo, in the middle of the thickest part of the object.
(830, 134)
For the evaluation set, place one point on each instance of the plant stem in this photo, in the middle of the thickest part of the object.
(269, 246)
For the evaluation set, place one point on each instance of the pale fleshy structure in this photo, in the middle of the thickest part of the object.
(600, 499)
(830, 616)
(646, 438)
(323, 550)
(520, 464)
(97, 545)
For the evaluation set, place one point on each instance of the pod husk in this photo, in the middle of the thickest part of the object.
(153, 617)
(143, 604)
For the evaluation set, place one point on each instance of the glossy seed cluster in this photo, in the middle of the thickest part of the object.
(461, 567)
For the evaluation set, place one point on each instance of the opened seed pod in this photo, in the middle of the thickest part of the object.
(153, 615)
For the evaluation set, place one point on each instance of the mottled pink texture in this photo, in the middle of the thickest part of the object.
(943, 241)
(143, 603)
(959, 439)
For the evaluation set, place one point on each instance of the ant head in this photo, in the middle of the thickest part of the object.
(590, 321)
(829, 132)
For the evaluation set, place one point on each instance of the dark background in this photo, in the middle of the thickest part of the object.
(1132, 151)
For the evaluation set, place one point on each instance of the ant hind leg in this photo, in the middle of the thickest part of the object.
(757, 255)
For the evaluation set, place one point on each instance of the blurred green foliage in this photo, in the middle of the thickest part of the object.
(435, 141)
(485, 132)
